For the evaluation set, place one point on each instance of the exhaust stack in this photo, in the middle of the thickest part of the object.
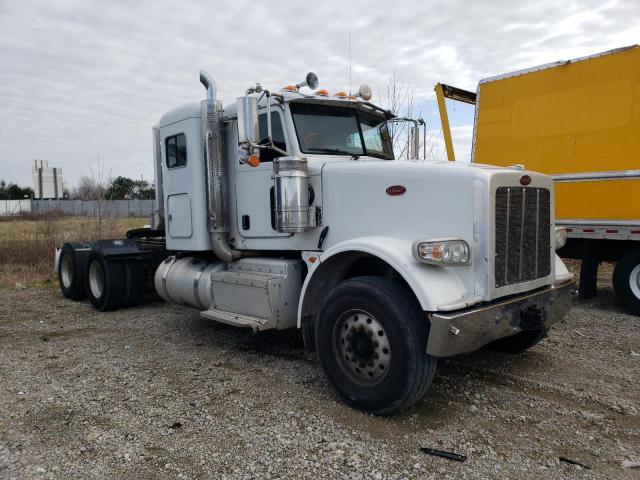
(217, 175)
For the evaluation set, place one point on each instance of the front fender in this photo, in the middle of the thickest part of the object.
(434, 287)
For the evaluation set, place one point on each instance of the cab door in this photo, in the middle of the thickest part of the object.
(254, 185)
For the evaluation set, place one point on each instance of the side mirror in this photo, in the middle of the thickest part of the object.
(414, 142)
(248, 126)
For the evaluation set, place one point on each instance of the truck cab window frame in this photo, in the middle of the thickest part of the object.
(277, 132)
(176, 150)
(324, 129)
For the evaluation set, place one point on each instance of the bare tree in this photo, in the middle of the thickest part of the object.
(95, 187)
(398, 97)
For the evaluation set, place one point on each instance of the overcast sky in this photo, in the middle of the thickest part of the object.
(81, 80)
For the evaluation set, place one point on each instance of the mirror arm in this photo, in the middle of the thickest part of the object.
(269, 138)
(424, 139)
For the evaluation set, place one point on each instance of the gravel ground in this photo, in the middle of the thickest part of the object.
(156, 392)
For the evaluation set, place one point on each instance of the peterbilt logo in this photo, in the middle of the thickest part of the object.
(395, 190)
(525, 180)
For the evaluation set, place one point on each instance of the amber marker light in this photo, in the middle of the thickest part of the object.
(322, 93)
(254, 160)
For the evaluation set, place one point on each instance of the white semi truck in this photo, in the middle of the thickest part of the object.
(288, 210)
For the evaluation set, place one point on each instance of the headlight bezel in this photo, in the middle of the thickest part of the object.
(559, 237)
(424, 244)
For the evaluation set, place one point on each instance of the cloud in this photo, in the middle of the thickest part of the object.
(82, 79)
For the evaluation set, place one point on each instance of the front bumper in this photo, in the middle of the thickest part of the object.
(468, 330)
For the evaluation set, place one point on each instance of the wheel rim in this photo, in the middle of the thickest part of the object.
(96, 283)
(66, 270)
(361, 346)
(634, 281)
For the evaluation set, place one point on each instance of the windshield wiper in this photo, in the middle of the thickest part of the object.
(334, 151)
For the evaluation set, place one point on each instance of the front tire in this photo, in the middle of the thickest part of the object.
(626, 281)
(371, 339)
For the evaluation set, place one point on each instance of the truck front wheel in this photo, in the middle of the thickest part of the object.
(371, 338)
(626, 281)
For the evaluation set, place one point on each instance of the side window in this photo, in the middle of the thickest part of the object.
(277, 132)
(176, 148)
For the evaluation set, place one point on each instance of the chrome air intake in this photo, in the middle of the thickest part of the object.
(291, 182)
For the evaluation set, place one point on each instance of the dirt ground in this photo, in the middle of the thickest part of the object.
(157, 392)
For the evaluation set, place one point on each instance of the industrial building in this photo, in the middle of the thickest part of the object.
(47, 181)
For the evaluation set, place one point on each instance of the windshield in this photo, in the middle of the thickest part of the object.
(331, 129)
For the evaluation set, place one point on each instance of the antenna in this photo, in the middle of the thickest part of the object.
(349, 62)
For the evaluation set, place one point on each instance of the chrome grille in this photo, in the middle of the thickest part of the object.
(523, 234)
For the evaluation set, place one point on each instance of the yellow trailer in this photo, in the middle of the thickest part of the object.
(579, 121)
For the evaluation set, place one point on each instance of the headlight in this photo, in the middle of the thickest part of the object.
(561, 237)
(442, 252)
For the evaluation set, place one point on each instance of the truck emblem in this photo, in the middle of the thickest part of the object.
(395, 190)
(525, 180)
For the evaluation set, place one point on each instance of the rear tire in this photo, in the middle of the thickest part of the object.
(371, 341)
(518, 343)
(626, 281)
(136, 278)
(71, 267)
(105, 282)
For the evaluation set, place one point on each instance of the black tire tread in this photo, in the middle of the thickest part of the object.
(518, 343)
(620, 279)
(114, 283)
(76, 290)
(135, 279)
(394, 292)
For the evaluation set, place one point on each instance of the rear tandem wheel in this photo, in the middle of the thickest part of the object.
(105, 282)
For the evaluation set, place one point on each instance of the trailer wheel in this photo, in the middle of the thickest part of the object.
(136, 279)
(518, 343)
(105, 282)
(70, 273)
(371, 339)
(626, 281)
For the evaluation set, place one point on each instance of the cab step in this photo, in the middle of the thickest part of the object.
(236, 319)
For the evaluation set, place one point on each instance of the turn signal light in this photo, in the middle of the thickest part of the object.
(254, 160)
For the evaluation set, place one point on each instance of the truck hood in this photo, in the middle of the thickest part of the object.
(419, 201)
(438, 198)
